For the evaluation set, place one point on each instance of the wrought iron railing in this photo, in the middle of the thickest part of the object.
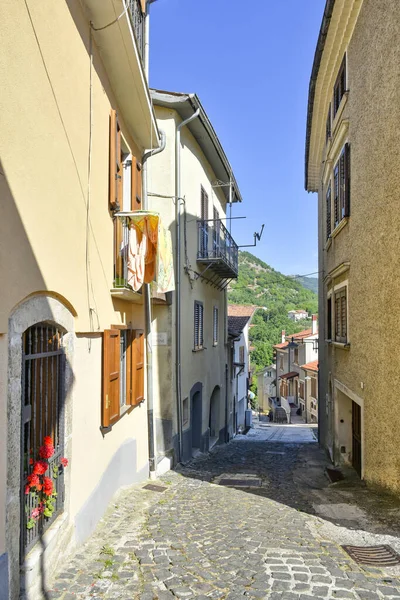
(215, 242)
(138, 23)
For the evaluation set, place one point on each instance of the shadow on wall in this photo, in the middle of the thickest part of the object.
(34, 402)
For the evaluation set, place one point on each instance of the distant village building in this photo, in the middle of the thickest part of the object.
(266, 387)
(308, 392)
(299, 349)
(297, 315)
(239, 320)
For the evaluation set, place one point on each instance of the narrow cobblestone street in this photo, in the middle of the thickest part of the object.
(201, 539)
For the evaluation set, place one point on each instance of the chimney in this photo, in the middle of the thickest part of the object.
(283, 336)
(314, 324)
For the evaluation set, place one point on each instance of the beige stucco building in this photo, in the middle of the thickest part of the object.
(353, 107)
(190, 184)
(71, 331)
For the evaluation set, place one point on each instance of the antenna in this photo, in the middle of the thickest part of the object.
(257, 238)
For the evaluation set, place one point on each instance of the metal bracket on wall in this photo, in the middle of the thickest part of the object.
(257, 238)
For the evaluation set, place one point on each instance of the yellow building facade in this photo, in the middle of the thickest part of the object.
(352, 152)
(75, 118)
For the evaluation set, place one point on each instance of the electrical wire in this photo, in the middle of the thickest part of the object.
(112, 22)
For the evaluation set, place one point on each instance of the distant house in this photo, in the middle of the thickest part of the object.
(308, 392)
(297, 315)
(239, 318)
(266, 386)
(300, 349)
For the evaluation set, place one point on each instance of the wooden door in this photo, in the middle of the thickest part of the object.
(356, 428)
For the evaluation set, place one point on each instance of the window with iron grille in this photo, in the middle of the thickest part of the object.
(216, 232)
(341, 315)
(341, 178)
(329, 319)
(313, 387)
(215, 325)
(198, 325)
(339, 87)
(328, 212)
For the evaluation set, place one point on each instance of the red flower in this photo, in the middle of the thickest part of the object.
(33, 480)
(64, 462)
(40, 467)
(48, 486)
(46, 451)
(27, 489)
(48, 441)
(31, 461)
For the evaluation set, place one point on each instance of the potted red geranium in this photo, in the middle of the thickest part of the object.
(41, 485)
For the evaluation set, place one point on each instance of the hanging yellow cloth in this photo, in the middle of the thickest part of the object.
(165, 262)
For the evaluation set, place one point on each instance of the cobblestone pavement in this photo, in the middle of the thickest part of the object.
(200, 539)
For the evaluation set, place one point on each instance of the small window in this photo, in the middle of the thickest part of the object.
(329, 319)
(296, 356)
(185, 411)
(340, 87)
(328, 124)
(268, 373)
(241, 355)
(313, 387)
(341, 316)
(301, 392)
(281, 362)
(198, 325)
(215, 326)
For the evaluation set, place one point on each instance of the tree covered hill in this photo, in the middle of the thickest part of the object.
(260, 284)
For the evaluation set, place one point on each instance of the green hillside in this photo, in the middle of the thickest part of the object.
(260, 284)
(310, 283)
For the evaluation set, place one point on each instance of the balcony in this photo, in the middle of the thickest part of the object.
(217, 249)
(137, 20)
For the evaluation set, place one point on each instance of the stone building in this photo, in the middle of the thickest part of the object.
(75, 119)
(352, 162)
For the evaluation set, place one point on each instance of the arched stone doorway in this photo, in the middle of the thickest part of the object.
(48, 319)
(196, 416)
(214, 417)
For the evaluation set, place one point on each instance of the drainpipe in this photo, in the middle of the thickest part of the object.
(147, 320)
(178, 196)
(226, 402)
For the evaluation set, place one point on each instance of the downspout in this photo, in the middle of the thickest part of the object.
(148, 319)
(147, 288)
(178, 197)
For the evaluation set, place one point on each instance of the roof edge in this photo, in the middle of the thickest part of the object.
(176, 97)
(323, 32)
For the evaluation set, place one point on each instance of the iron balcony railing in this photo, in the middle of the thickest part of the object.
(137, 20)
(217, 247)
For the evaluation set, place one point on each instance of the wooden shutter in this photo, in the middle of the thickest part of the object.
(347, 180)
(204, 205)
(328, 212)
(111, 373)
(342, 184)
(341, 316)
(313, 387)
(115, 168)
(329, 319)
(136, 187)
(215, 326)
(137, 368)
(143, 5)
(198, 326)
(336, 192)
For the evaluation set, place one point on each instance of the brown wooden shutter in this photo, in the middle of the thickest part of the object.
(328, 212)
(136, 187)
(129, 366)
(137, 367)
(347, 180)
(336, 193)
(111, 373)
(115, 168)
(143, 5)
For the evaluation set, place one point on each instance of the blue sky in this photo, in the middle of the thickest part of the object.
(250, 65)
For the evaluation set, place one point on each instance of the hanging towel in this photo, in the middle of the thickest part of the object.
(136, 257)
(165, 262)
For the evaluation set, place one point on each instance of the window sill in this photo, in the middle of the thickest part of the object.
(344, 346)
(199, 349)
(124, 410)
(339, 227)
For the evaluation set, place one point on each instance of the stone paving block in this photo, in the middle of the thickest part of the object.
(342, 594)
(389, 591)
(367, 595)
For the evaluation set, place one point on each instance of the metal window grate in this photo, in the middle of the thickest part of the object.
(154, 488)
(42, 415)
(381, 556)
